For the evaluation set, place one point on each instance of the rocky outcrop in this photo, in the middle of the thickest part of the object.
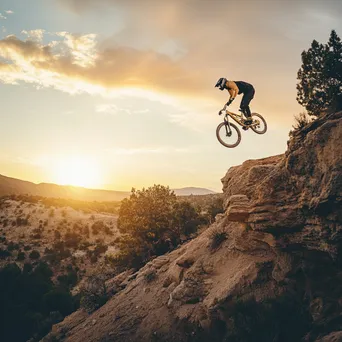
(276, 276)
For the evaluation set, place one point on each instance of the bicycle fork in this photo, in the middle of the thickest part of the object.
(227, 126)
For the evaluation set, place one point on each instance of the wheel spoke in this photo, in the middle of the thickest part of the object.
(228, 136)
(259, 125)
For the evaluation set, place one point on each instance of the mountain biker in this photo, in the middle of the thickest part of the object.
(239, 87)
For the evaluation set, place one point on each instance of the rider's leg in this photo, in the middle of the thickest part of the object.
(246, 99)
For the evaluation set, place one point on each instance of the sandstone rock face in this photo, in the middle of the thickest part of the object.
(277, 276)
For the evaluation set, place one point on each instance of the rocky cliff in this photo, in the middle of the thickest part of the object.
(269, 269)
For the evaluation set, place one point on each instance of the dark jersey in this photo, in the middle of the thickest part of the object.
(244, 87)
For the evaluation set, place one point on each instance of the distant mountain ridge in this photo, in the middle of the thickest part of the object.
(14, 186)
(187, 191)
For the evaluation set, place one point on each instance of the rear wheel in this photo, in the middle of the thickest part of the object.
(228, 137)
(259, 124)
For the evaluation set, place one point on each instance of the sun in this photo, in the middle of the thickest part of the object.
(78, 171)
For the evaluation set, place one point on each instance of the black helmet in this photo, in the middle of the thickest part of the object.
(221, 83)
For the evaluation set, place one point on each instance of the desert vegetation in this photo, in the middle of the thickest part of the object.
(84, 206)
(319, 82)
(32, 301)
(153, 222)
(64, 251)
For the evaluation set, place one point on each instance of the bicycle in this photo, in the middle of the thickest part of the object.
(229, 131)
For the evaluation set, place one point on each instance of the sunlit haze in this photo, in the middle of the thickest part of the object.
(118, 94)
(77, 171)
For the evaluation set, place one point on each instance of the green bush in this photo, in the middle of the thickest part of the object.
(21, 256)
(215, 208)
(4, 253)
(34, 255)
(59, 300)
(320, 77)
(93, 293)
(152, 222)
(30, 302)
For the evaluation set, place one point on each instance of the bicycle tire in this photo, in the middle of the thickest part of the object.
(263, 121)
(222, 124)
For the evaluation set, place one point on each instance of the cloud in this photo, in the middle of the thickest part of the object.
(9, 12)
(74, 64)
(2, 17)
(35, 35)
(81, 47)
(113, 109)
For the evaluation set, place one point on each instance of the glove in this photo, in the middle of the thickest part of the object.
(229, 102)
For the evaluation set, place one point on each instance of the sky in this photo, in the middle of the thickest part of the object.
(116, 94)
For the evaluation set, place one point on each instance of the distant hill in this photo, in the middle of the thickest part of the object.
(9, 186)
(13, 186)
(193, 191)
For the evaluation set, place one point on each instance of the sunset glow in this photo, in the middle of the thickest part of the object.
(77, 171)
(141, 78)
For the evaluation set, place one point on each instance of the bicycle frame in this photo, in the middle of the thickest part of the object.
(236, 117)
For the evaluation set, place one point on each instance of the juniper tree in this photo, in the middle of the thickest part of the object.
(319, 88)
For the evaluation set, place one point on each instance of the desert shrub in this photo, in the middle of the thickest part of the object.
(150, 275)
(107, 230)
(59, 300)
(68, 280)
(34, 255)
(97, 227)
(215, 208)
(217, 236)
(22, 221)
(21, 256)
(36, 236)
(4, 253)
(93, 293)
(86, 231)
(152, 222)
(12, 246)
(72, 240)
(30, 300)
(100, 249)
(51, 212)
(84, 245)
(60, 250)
(57, 235)
(301, 120)
(185, 221)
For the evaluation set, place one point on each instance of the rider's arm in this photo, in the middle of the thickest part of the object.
(233, 91)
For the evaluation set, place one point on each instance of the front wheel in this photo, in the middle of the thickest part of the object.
(228, 138)
(259, 124)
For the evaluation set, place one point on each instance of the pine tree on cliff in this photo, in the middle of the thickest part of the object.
(320, 77)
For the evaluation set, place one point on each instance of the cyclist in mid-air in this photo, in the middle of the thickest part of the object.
(239, 87)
